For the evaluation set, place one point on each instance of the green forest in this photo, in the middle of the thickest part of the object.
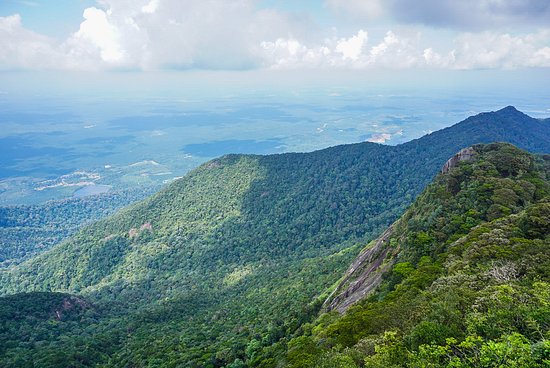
(27, 230)
(232, 265)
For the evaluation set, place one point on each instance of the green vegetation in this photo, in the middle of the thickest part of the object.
(44, 321)
(160, 270)
(470, 282)
(28, 230)
(224, 266)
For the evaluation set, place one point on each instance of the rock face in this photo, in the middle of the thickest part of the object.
(363, 276)
(365, 273)
(462, 155)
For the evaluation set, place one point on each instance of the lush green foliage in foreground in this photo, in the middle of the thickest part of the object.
(222, 266)
(470, 284)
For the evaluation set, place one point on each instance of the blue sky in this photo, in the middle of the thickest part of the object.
(52, 18)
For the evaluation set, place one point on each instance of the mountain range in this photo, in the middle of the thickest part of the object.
(233, 264)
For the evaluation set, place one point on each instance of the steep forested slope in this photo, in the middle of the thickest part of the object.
(465, 277)
(239, 253)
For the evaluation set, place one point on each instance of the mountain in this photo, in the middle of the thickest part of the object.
(462, 279)
(29, 230)
(505, 125)
(236, 256)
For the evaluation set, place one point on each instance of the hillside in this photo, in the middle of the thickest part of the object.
(27, 230)
(462, 279)
(222, 264)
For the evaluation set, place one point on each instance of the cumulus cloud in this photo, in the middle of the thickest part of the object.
(157, 34)
(489, 50)
(352, 47)
(394, 51)
(290, 53)
(150, 7)
(96, 39)
(174, 34)
(485, 50)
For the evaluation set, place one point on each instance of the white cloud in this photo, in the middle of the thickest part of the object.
(485, 50)
(159, 34)
(395, 51)
(23, 49)
(97, 32)
(292, 54)
(434, 59)
(493, 50)
(352, 48)
(151, 7)
(219, 34)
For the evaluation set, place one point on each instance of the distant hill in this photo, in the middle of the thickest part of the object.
(505, 125)
(237, 255)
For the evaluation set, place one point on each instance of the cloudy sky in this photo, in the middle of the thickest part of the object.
(156, 35)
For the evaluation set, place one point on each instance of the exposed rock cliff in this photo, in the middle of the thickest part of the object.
(364, 274)
(70, 304)
(462, 155)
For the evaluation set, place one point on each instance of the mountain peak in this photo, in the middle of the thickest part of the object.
(505, 125)
(509, 109)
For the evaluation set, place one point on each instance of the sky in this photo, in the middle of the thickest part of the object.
(328, 36)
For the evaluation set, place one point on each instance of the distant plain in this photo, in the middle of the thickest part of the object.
(58, 147)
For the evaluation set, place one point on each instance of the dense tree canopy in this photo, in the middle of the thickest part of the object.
(28, 230)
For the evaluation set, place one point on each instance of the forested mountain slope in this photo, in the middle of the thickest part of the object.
(465, 277)
(227, 261)
(29, 230)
